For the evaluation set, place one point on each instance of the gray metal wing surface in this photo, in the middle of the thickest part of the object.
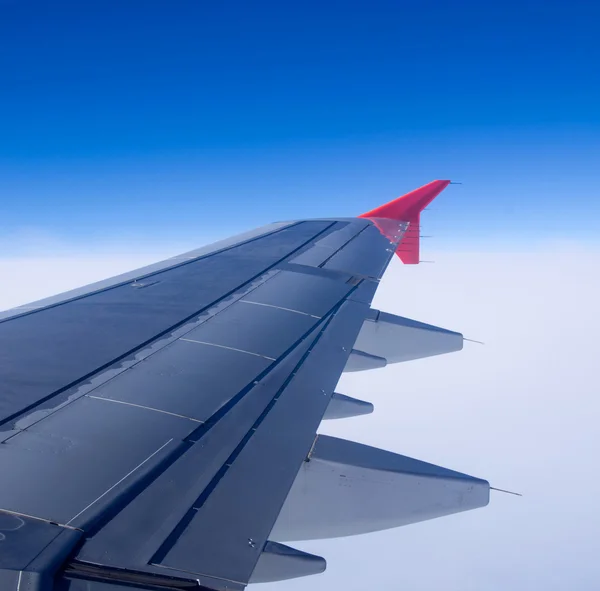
(156, 428)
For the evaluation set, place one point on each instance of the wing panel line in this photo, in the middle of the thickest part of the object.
(279, 308)
(173, 414)
(225, 347)
(119, 481)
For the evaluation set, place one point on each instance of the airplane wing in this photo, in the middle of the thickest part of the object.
(158, 430)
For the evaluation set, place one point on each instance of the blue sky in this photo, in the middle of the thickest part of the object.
(145, 121)
(131, 128)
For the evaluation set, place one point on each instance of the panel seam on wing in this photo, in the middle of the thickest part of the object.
(121, 480)
(226, 347)
(142, 406)
(279, 308)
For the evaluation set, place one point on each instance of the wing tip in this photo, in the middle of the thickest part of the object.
(408, 208)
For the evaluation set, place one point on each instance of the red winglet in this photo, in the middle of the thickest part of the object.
(408, 208)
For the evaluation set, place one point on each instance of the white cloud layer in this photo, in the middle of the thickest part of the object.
(521, 411)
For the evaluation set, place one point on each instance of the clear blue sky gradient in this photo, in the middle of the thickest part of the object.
(157, 120)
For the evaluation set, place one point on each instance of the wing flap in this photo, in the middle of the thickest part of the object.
(32, 551)
(313, 295)
(133, 536)
(266, 465)
(88, 454)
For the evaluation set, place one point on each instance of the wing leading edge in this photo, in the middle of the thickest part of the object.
(160, 428)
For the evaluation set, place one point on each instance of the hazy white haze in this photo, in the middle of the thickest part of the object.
(521, 411)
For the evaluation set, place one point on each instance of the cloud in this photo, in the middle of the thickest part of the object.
(27, 279)
(520, 411)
